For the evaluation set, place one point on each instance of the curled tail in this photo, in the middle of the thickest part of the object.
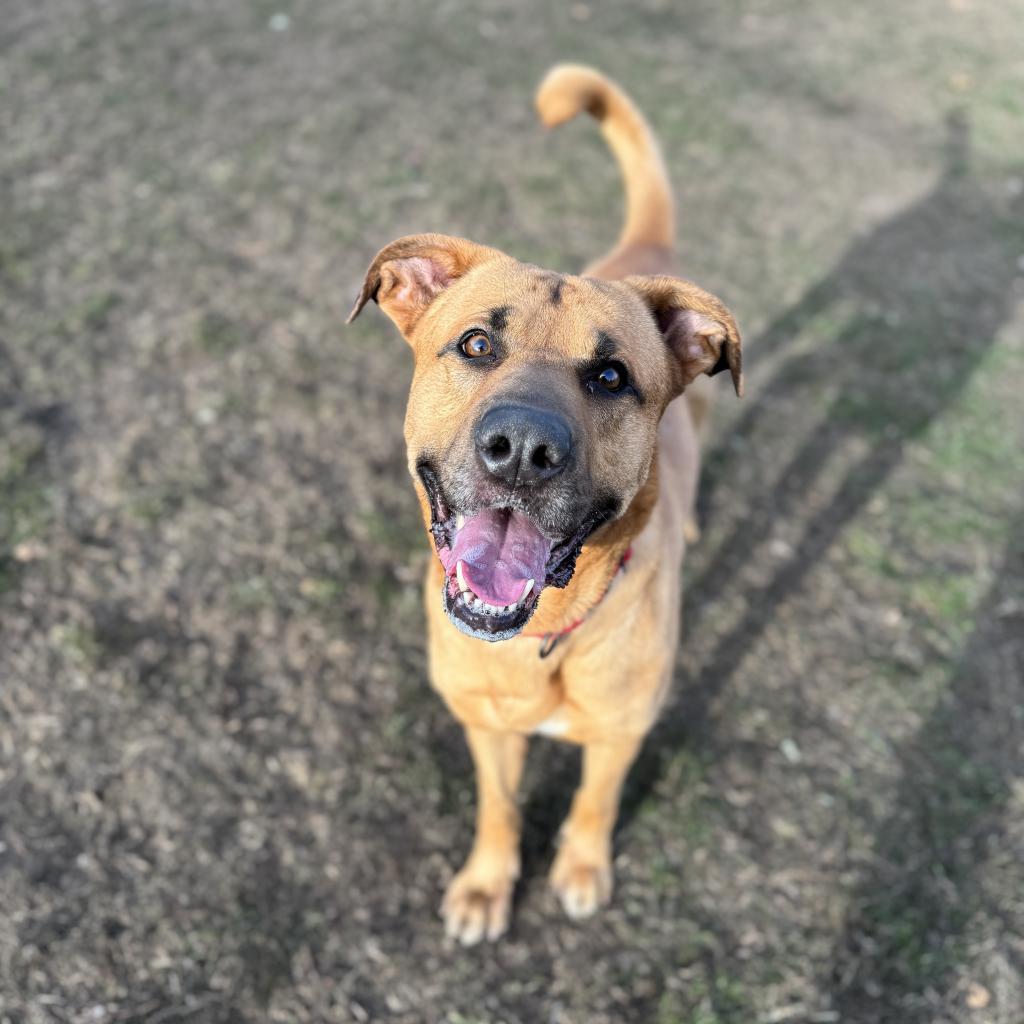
(650, 212)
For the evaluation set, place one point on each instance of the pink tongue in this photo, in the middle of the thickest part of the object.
(500, 550)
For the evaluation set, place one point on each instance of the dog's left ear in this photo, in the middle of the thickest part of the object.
(406, 276)
(699, 330)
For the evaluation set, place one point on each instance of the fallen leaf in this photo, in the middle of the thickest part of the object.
(978, 997)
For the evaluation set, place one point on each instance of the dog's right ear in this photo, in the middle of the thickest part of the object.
(407, 275)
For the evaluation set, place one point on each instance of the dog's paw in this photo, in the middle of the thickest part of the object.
(477, 907)
(581, 885)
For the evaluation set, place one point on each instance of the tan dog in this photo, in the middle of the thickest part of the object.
(550, 448)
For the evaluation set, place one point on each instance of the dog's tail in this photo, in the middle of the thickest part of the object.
(650, 212)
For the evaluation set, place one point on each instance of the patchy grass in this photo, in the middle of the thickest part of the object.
(217, 334)
(93, 313)
(25, 504)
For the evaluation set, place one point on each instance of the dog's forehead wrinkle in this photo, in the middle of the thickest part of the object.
(565, 333)
(552, 283)
(555, 287)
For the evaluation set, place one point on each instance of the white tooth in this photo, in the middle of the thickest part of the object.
(526, 591)
(460, 520)
(460, 576)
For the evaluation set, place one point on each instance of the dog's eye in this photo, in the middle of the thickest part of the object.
(612, 377)
(476, 344)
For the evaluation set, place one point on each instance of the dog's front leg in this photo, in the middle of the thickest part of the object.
(582, 873)
(479, 898)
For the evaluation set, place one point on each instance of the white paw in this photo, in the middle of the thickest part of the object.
(581, 885)
(477, 907)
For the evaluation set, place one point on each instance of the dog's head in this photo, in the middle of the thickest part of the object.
(534, 407)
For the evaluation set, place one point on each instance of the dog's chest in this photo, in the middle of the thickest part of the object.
(538, 711)
(523, 702)
(546, 711)
(556, 724)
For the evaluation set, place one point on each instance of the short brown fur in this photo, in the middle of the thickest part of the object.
(604, 682)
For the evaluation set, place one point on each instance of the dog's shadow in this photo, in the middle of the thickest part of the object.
(944, 837)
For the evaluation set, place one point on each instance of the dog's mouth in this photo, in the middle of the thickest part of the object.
(498, 560)
(495, 570)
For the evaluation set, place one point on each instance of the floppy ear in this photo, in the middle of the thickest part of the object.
(407, 275)
(699, 330)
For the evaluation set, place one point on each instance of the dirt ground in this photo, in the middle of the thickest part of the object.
(227, 793)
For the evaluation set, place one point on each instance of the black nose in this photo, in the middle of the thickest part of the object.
(521, 445)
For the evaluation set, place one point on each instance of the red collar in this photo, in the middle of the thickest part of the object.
(549, 641)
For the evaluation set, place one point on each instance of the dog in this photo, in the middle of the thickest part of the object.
(556, 462)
